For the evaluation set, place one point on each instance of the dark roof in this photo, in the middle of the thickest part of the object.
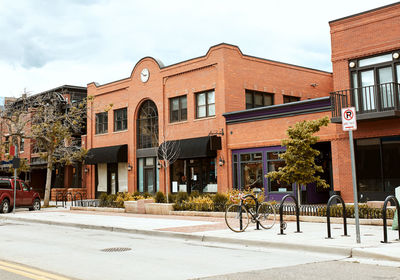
(365, 12)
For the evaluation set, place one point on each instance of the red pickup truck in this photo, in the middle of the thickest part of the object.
(25, 197)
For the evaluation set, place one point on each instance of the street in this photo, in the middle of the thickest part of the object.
(95, 254)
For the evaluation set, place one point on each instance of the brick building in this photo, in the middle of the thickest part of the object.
(230, 111)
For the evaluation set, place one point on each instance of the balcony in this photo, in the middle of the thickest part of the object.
(371, 102)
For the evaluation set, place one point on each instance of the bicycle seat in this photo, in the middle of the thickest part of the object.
(256, 191)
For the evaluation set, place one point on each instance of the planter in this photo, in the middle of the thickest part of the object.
(159, 208)
(138, 206)
(130, 206)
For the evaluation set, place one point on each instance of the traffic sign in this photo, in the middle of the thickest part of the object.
(349, 121)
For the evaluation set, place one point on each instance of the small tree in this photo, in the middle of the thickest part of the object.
(167, 154)
(299, 156)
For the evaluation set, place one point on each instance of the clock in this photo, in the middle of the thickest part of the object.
(144, 75)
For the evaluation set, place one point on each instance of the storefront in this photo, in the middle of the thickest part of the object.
(250, 166)
(196, 166)
(111, 168)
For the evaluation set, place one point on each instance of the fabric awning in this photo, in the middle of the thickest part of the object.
(194, 147)
(107, 154)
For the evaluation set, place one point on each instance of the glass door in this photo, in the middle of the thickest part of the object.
(385, 77)
(149, 180)
(367, 84)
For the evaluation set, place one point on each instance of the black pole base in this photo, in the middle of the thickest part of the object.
(345, 235)
(298, 232)
(328, 237)
(281, 233)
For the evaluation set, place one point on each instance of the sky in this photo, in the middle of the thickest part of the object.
(48, 43)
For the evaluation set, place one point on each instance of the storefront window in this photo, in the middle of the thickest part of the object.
(277, 186)
(251, 170)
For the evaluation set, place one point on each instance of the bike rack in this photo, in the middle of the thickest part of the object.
(281, 213)
(76, 202)
(66, 198)
(328, 215)
(393, 198)
(58, 195)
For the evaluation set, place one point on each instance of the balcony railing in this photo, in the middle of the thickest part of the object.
(371, 102)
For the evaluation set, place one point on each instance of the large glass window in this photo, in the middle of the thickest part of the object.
(256, 99)
(147, 125)
(178, 109)
(377, 166)
(251, 170)
(205, 104)
(120, 119)
(102, 123)
(288, 99)
(274, 163)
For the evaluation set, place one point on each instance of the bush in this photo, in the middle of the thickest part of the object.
(172, 197)
(194, 194)
(159, 198)
(220, 201)
(146, 195)
(181, 196)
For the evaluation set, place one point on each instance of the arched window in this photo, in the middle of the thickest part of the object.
(147, 125)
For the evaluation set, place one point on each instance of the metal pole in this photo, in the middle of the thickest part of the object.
(15, 178)
(353, 173)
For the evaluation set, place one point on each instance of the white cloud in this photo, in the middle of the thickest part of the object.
(51, 43)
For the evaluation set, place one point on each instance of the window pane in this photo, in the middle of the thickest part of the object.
(211, 98)
(249, 100)
(252, 175)
(183, 102)
(201, 99)
(368, 97)
(386, 77)
(398, 73)
(174, 116)
(368, 163)
(374, 60)
(183, 114)
(267, 99)
(258, 100)
(245, 157)
(211, 110)
(175, 104)
(278, 186)
(391, 164)
(201, 111)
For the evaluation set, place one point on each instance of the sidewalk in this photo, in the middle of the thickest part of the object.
(213, 230)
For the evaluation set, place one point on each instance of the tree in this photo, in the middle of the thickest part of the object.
(53, 125)
(299, 156)
(167, 154)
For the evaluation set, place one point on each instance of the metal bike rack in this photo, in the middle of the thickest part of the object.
(393, 198)
(66, 198)
(59, 195)
(281, 213)
(328, 214)
(76, 202)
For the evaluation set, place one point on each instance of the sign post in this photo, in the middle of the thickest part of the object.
(16, 164)
(349, 123)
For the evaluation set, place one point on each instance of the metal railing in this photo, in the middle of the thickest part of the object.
(368, 99)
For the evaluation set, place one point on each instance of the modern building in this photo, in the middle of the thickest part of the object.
(229, 112)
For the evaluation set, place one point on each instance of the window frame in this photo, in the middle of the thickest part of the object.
(180, 109)
(290, 99)
(263, 93)
(123, 119)
(206, 105)
(103, 124)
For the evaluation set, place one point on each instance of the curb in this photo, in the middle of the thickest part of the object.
(338, 251)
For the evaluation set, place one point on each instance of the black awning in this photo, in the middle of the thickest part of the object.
(194, 147)
(107, 154)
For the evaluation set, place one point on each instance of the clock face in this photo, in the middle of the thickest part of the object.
(144, 75)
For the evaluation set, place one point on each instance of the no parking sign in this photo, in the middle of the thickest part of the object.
(349, 121)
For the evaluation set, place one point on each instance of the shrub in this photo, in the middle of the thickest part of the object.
(160, 198)
(220, 201)
(181, 196)
(194, 194)
(172, 197)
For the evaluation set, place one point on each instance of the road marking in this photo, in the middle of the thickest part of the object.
(31, 273)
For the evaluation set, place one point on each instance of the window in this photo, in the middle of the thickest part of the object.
(101, 123)
(147, 125)
(5, 184)
(251, 169)
(7, 144)
(22, 145)
(256, 99)
(288, 99)
(274, 162)
(178, 109)
(120, 119)
(205, 104)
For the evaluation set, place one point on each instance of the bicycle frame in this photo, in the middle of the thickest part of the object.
(255, 214)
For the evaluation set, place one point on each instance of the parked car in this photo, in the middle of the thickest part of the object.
(25, 196)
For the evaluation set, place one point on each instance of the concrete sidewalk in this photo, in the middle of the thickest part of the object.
(212, 230)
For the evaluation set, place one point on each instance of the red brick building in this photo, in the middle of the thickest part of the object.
(230, 111)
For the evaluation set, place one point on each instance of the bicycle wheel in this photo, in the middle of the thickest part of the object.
(266, 215)
(237, 217)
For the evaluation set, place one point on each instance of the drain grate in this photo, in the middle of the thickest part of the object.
(116, 249)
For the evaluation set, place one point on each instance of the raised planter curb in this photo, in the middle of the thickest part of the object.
(98, 209)
(158, 208)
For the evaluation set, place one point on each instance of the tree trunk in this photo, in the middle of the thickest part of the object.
(299, 194)
(166, 182)
(48, 182)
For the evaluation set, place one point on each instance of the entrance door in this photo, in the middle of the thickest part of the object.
(149, 180)
(112, 178)
(367, 84)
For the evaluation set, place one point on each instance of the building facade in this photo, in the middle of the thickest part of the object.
(229, 112)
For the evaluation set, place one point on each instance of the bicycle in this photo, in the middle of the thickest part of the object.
(237, 215)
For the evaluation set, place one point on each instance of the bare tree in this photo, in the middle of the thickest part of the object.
(167, 154)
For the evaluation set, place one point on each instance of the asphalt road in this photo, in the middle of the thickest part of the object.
(94, 254)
